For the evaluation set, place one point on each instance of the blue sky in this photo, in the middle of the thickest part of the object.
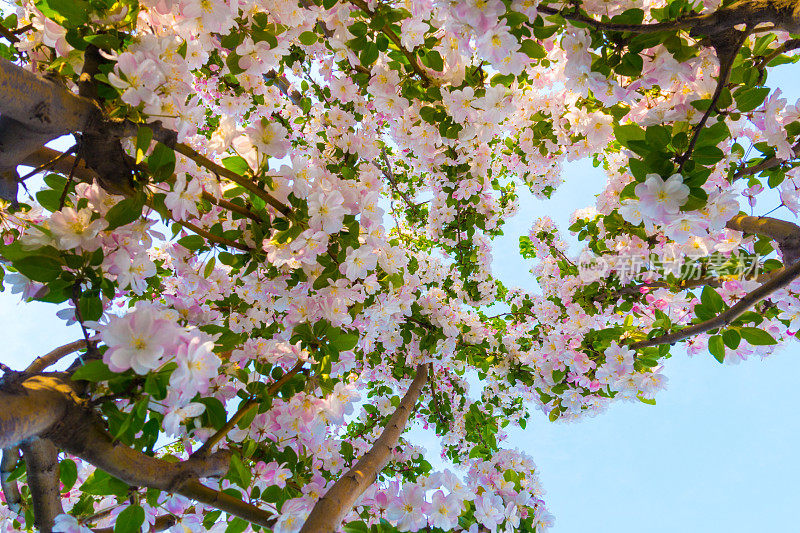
(716, 454)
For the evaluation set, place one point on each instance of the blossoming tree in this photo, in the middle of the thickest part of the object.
(275, 231)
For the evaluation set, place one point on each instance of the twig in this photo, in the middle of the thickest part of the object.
(47, 165)
(728, 316)
(202, 160)
(44, 361)
(8, 34)
(213, 238)
(245, 408)
(67, 184)
(389, 175)
(764, 165)
(387, 30)
(726, 54)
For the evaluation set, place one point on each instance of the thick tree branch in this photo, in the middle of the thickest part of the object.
(41, 460)
(786, 234)
(327, 514)
(42, 105)
(62, 163)
(10, 488)
(679, 24)
(46, 406)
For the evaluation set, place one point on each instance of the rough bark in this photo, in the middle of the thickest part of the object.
(46, 406)
(336, 503)
(41, 460)
(40, 104)
(10, 488)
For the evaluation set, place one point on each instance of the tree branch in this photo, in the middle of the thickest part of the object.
(727, 46)
(786, 234)
(784, 14)
(46, 406)
(726, 317)
(387, 30)
(245, 408)
(678, 24)
(327, 514)
(766, 164)
(216, 239)
(203, 161)
(41, 460)
(41, 363)
(162, 523)
(63, 163)
(389, 175)
(10, 488)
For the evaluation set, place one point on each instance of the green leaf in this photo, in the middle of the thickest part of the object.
(127, 211)
(657, 136)
(731, 338)
(236, 164)
(631, 65)
(433, 60)
(67, 473)
(67, 13)
(625, 133)
(103, 40)
(192, 242)
(369, 54)
(356, 527)
(712, 135)
(101, 483)
(90, 305)
(707, 155)
(238, 472)
(717, 347)
(161, 162)
(130, 520)
(93, 371)
(757, 337)
(711, 299)
(533, 49)
(344, 342)
(308, 38)
(49, 199)
(143, 138)
(749, 99)
(648, 401)
(215, 412)
(237, 525)
(38, 268)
